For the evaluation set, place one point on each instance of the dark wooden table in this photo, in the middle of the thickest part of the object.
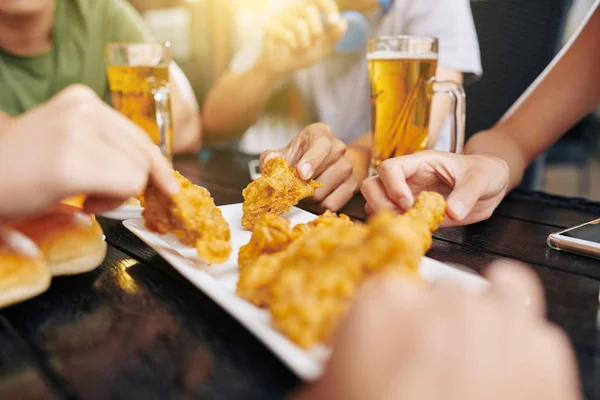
(135, 329)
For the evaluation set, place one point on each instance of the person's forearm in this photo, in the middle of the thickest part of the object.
(557, 100)
(187, 127)
(4, 121)
(188, 133)
(235, 103)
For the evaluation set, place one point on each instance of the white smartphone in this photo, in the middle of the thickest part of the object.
(583, 239)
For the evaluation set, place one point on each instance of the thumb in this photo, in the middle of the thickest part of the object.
(319, 140)
(464, 197)
(267, 156)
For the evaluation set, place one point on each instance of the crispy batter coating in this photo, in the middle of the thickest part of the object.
(278, 188)
(430, 206)
(272, 234)
(192, 216)
(328, 218)
(313, 281)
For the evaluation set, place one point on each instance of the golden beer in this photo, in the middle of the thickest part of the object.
(138, 78)
(402, 72)
(133, 90)
(401, 94)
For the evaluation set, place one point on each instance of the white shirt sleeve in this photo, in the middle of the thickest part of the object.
(451, 21)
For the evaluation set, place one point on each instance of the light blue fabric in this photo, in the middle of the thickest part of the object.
(386, 5)
(357, 34)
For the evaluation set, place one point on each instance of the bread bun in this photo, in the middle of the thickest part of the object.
(72, 242)
(23, 271)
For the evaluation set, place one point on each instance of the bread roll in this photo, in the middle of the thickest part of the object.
(72, 242)
(23, 271)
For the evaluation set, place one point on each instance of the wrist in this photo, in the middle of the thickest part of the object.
(360, 158)
(265, 69)
(500, 145)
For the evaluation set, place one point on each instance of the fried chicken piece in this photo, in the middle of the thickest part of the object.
(430, 206)
(278, 188)
(328, 218)
(192, 216)
(320, 273)
(253, 283)
(272, 234)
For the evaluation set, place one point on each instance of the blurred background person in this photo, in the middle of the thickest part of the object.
(294, 61)
(47, 45)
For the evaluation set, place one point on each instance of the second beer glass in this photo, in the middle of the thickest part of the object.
(402, 72)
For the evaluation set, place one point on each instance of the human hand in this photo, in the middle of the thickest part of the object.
(474, 185)
(317, 154)
(75, 144)
(298, 37)
(439, 342)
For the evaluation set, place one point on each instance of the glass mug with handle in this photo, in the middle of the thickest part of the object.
(402, 73)
(138, 78)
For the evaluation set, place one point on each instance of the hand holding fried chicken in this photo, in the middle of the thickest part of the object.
(192, 216)
(317, 154)
(278, 188)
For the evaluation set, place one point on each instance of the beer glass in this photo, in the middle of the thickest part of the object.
(138, 78)
(402, 72)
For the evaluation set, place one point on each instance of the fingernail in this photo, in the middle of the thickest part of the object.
(305, 171)
(173, 186)
(405, 203)
(460, 210)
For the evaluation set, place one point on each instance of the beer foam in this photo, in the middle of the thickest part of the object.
(401, 55)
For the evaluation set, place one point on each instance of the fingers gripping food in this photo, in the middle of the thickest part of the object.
(192, 216)
(278, 188)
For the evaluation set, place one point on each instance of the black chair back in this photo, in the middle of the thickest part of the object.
(518, 39)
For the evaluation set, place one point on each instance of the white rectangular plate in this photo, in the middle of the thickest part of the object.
(219, 282)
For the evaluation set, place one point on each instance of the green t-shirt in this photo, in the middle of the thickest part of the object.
(82, 28)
